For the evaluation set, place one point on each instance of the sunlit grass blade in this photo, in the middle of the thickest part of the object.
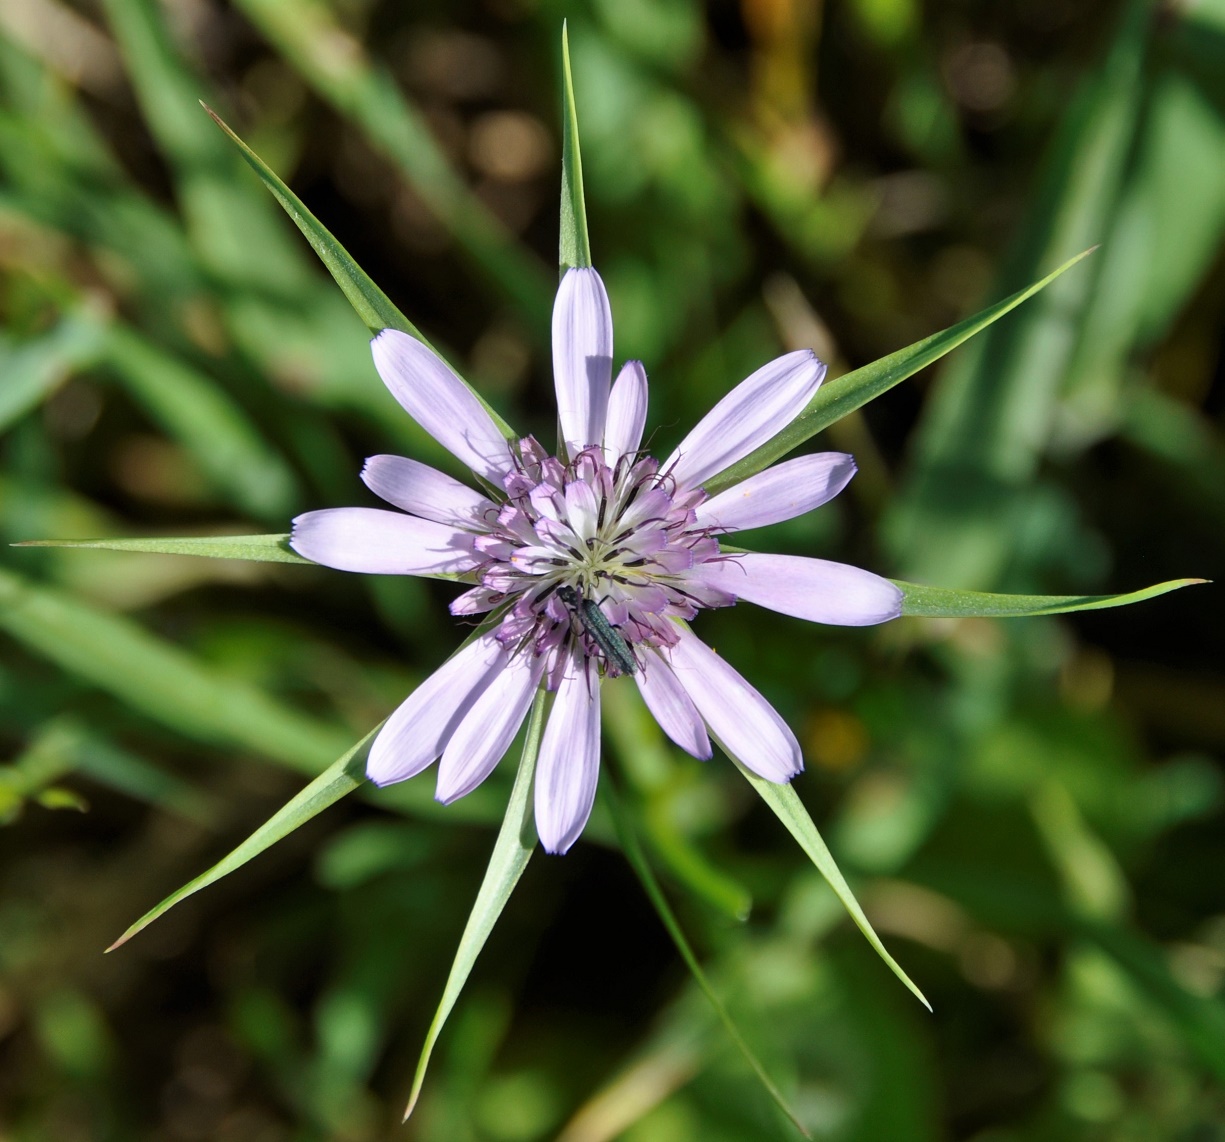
(948, 602)
(574, 246)
(854, 389)
(339, 779)
(1185, 440)
(637, 858)
(234, 230)
(990, 417)
(160, 680)
(272, 303)
(34, 369)
(58, 172)
(512, 850)
(64, 746)
(217, 432)
(104, 762)
(787, 806)
(256, 548)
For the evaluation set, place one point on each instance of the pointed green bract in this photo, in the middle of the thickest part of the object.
(788, 808)
(948, 602)
(853, 390)
(340, 778)
(637, 858)
(371, 304)
(254, 548)
(574, 246)
(312, 37)
(511, 852)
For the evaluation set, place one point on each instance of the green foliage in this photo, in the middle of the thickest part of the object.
(512, 850)
(1029, 811)
(344, 775)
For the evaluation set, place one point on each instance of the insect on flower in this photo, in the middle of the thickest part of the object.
(599, 515)
(604, 634)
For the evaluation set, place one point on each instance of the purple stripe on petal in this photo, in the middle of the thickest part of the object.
(627, 412)
(441, 403)
(813, 589)
(582, 357)
(782, 492)
(381, 543)
(754, 411)
(569, 762)
(741, 720)
(488, 728)
(671, 707)
(424, 491)
(420, 728)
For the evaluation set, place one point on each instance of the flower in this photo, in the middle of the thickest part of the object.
(589, 564)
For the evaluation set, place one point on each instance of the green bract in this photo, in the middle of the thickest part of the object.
(189, 696)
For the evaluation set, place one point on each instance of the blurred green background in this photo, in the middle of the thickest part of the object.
(1031, 810)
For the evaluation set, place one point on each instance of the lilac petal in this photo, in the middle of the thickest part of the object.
(754, 411)
(475, 602)
(569, 761)
(381, 543)
(741, 720)
(782, 492)
(424, 491)
(441, 403)
(627, 412)
(420, 728)
(582, 509)
(813, 589)
(671, 707)
(582, 357)
(673, 560)
(488, 728)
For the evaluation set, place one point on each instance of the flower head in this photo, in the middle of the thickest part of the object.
(589, 564)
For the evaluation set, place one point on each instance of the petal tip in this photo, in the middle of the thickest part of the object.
(559, 846)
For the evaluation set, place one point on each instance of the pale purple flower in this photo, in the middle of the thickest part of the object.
(637, 537)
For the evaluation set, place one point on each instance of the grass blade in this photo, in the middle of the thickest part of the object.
(34, 369)
(853, 390)
(788, 808)
(647, 764)
(637, 858)
(1200, 1019)
(948, 602)
(217, 432)
(511, 851)
(340, 778)
(160, 680)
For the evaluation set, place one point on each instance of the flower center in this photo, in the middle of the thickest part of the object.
(623, 538)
